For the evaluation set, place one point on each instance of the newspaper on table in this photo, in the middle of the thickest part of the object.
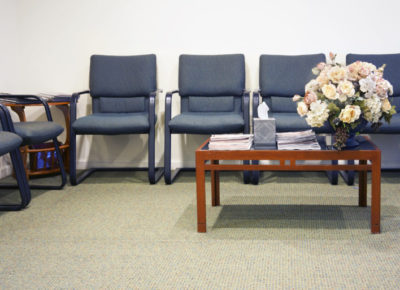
(301, 140)
(48, 97)
(231, 142)
(53, 96)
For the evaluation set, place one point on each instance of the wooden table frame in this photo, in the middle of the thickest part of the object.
(63, 106)
(208, 160)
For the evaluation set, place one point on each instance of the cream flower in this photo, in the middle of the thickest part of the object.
(330, 92)
(367, 86)
(386, 106)
(366, 69)
(346, 88)
(383, 87)
(318, 114)
(353, 70)
(296, 98)
(312, 86)
(337, 74)
(323, 79)
(342, 98)
(373, 112)
(302, 109)
(350, 114)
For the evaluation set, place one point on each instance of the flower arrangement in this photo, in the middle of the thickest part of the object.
(347, 97)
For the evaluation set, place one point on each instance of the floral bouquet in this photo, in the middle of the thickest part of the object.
(347, 97)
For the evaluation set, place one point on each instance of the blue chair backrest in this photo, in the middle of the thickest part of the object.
(391, 73)
(121, 84)
(283, 76)
(211, 83)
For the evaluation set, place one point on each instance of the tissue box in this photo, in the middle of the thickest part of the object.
(264, 133)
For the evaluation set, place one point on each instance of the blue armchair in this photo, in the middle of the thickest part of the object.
(38, 132)
(123, 91)
(9, 143)
(281, 77)
(392, 74)
(213, 101)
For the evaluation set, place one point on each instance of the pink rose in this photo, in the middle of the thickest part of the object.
(310, 97)
(321, 65)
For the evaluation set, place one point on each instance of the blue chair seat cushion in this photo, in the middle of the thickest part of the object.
(207, 123)
(291, 122)
(37, 132)
(112, 124)
(9, 142)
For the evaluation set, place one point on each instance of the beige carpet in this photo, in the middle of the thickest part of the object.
(292, 231)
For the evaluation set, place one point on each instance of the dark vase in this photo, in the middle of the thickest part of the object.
(351, 141)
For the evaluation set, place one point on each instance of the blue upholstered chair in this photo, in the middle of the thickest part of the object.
(281, 77)
(392, 74)
(213, 100)
(9, 143)
(123, 91)
(38, 132)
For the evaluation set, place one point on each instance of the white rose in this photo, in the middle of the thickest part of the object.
(367, 85)
(374, 109)
(302, 108)
(346, 88)
(337, 74)
(330, 92)
(318, 114)
(322, 79)
(350, 114)
(312, 86)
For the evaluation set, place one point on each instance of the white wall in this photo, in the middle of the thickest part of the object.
(55, 39)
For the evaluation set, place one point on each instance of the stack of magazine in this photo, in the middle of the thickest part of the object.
(48, 97)
(302, 140)
(231, 142)
(55, 97)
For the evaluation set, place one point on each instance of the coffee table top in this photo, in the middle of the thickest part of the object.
(365, 144)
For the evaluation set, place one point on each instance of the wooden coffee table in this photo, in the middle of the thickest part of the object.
(208, 160)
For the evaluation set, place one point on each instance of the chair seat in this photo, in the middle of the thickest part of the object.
(207, 123)
(37, 132)
(9, 142)
(112, 124)
(290, 122)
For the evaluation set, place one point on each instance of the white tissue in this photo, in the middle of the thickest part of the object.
(262, 110)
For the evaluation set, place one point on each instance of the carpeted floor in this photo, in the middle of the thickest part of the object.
(294, 230)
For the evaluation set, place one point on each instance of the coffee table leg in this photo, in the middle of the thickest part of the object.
(376, 195)
(215, 185)
(201, 195)
(362, 185)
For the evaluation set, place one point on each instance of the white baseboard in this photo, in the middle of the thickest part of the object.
(89, 164)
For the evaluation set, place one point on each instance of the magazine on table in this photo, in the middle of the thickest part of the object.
(301, 140)
(55, 97)
(48, 97)
(230, 142)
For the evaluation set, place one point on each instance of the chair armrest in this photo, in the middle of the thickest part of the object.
(5, 119)
(168, 106)
(246, 111)
(256, 102)
(32, 99)
(152, 106)
(74, 101)
(75, 96)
